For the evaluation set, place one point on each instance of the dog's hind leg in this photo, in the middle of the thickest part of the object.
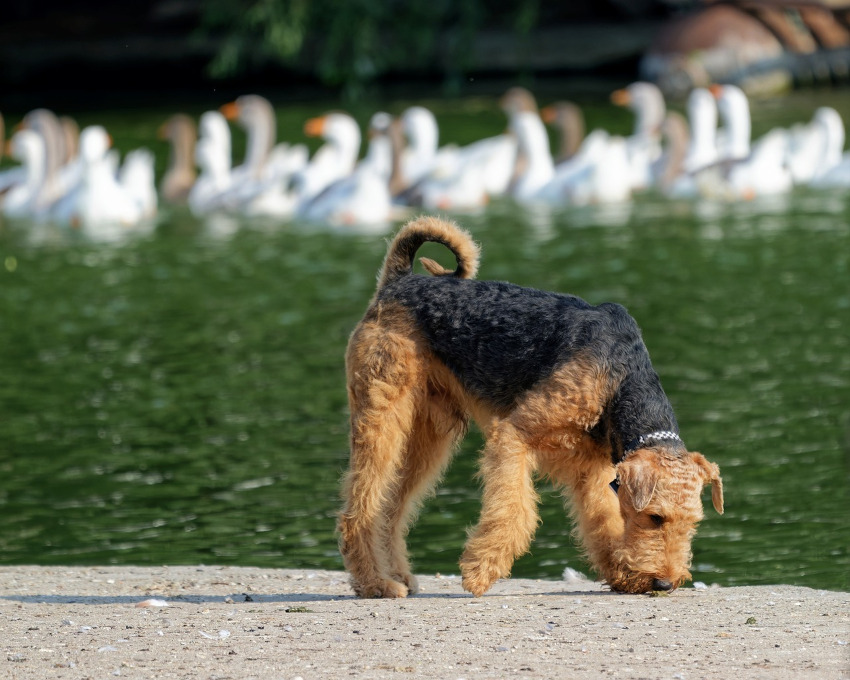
(438, 425)
(382, 385)
(508, 513)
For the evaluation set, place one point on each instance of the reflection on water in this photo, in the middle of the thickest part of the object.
(180, 398)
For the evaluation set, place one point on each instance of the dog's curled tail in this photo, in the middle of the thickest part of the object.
(399, 260)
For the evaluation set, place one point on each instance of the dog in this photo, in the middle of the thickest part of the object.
(558, 387)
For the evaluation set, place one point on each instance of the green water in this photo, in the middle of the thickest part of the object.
(179, 398)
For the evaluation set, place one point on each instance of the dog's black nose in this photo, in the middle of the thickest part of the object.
(660, 584)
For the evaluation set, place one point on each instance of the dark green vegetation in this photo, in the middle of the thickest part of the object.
(349, 45)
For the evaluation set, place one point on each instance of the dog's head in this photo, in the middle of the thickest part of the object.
(661, 505)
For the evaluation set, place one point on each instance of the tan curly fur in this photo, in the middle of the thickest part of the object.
(409, 411)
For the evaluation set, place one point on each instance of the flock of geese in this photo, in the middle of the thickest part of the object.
(74, 177)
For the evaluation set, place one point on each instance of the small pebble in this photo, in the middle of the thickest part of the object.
(153, 602)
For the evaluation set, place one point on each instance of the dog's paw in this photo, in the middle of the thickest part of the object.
(478, 575)
(380, 589)
(409, 580)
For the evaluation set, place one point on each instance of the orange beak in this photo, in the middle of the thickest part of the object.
(110, 140)
(7, 147)
(230, 111)
(314, 127)
(548, 114)
(621, 97)
(716, 90)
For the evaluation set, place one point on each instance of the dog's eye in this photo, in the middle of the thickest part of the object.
(657, 520)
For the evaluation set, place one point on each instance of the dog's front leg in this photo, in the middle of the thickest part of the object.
(508, 513)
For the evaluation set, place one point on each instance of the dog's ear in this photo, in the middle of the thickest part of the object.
(711, 475)
(640, 478)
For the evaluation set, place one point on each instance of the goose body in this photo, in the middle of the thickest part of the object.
(100, 201)
(26, 198)
(363, 197)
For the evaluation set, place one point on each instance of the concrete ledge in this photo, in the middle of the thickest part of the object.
(228, 622)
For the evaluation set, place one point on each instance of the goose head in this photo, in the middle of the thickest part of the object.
(256, 115)
(420, 127)
(569, 120)
(250, 110)
(94, 144)
(647, 103)
(27, 147)
(517, 99)
(46, 124)
(340, 131)
(179, 129)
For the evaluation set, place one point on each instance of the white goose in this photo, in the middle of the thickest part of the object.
(258, 186)
(136, 177)
(534, 149)
(213, 156)
(362, 198)
(60, 176)
(644, 144)
(379, 152)
(25, 198)
(256, 115)
(417, 160)
(11, 176)
(455, 188)
(460, 178)
(834, 166)
(702, 116)
(598, 173)
(698, 150)
(733, 139)
(333, 161)
(744, 172)
(100, 202)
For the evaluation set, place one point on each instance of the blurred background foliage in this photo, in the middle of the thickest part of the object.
(59, 54)
(350, 44)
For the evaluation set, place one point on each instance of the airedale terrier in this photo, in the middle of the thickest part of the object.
(558, 387)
